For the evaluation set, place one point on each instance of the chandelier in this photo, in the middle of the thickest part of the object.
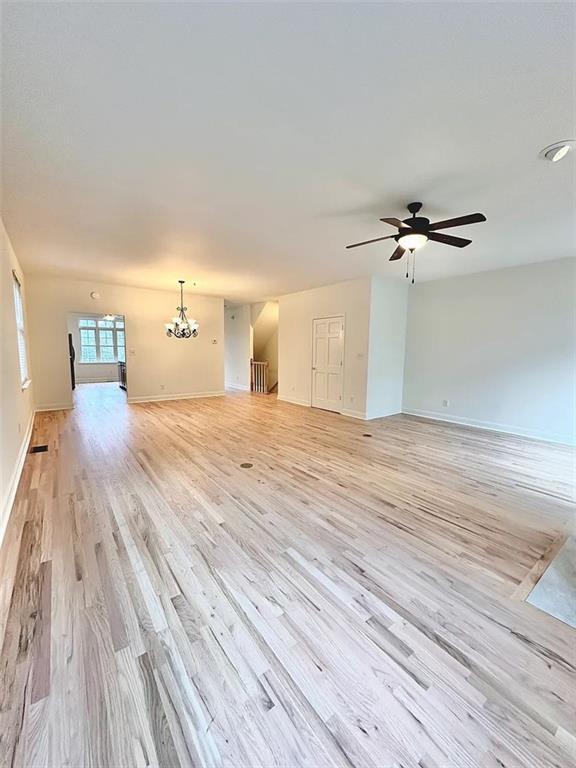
(181, 327)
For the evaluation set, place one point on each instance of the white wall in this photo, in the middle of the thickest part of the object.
(158, 367)
(87, 373)
(297, 310)
(388, 310)
(237, 346)
(16, 404)
(499, 346)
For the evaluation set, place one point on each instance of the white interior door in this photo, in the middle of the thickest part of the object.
(327, 363)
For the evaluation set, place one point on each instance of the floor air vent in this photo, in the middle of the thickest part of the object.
(38, 448)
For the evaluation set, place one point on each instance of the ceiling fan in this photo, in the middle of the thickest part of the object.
(415, 232)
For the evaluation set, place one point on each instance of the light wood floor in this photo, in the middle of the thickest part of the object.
(347, 601)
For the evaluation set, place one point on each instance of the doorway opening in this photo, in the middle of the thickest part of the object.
(264, 357)
(97, 357)
(251, 347)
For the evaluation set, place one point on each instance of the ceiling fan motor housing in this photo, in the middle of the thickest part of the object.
(418, 223)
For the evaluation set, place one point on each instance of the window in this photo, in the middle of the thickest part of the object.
(20, 330)
(101, 341)
(88, 346)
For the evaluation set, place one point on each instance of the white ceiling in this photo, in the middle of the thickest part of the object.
(243, 146)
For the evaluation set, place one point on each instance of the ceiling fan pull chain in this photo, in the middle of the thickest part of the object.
(413, 266)
(407, 263)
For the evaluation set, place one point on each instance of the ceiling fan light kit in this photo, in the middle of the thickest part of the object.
(415, 232)
(412, 241)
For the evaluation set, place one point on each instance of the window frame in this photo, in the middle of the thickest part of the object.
(97, 325)
(21, 339)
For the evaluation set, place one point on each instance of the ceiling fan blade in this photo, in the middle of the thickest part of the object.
(395, 223)
(459, 221)
(458, 242)
(366, 242)
(398, 253)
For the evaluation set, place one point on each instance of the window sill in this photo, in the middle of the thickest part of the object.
(26, 384)
(98, 362)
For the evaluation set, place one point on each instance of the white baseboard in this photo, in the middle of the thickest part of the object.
(10, 495)
(344, 412)
(161, 398)
(96, 380)
(354, 414)
(294, 401)
(241, 387)
(55, 407)
(492, 426)
(371, 417)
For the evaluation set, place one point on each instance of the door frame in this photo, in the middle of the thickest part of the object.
(72, 360)
(91, 313)
(341, 316)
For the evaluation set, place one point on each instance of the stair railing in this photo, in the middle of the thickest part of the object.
(259, 376)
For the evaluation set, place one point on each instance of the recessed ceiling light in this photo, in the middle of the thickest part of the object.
(557, 154)
(557, 151)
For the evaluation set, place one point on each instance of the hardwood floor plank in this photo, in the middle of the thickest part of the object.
(159, 729)
(40, 684)
(68, 713)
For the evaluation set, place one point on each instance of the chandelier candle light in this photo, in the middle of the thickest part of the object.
(181, 327)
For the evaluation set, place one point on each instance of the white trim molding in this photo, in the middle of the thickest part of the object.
(294, 401)
(354, 414)
(241, 387)
(55, 407)
(161, 398)
(372, 417)
(510, 429)
(10, 495)
(306, 404)
(96, 380)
